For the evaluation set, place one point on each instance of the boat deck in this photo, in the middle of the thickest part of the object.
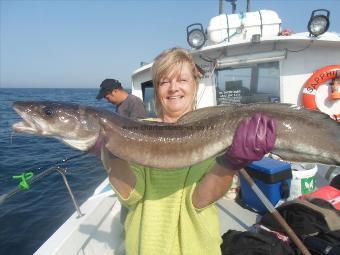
(102, 233)
(233, 216)
(99, 230)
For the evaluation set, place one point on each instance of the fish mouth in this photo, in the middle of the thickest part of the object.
(27, 125)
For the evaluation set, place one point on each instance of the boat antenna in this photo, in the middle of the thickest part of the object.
(248, 5)
(221, 7)
(233, 5)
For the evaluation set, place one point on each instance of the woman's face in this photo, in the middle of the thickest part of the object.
(177, 93)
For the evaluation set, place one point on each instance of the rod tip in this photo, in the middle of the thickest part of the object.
(2, 198)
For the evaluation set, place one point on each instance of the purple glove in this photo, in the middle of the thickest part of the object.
(253, 138)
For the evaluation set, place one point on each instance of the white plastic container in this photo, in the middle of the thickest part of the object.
(303, 180)
(242, 26)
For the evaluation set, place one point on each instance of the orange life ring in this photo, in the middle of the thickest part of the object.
(312, 84)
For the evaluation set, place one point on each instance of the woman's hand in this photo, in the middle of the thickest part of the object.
(253, 138)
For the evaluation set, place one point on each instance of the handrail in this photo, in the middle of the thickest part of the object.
(54, 167)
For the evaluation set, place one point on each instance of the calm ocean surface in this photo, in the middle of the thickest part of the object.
(29, 217)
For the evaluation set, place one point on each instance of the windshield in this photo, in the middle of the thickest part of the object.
(248, 84)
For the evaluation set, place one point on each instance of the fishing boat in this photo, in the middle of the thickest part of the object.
(245, 58)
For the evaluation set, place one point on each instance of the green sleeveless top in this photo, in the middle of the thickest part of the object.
(162, 218)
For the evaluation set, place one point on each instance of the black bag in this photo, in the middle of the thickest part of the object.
(324, 243)
(250, 243)
(332, 237)
(305, 218)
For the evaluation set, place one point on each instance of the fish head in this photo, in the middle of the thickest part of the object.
(71, 123)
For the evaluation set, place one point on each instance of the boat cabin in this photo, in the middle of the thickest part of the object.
(248, 58)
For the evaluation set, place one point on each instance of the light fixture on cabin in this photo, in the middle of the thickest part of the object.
(255, 58)
(318, 23)
(195, 35)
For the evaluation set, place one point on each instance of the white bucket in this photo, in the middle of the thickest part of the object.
(303, 179)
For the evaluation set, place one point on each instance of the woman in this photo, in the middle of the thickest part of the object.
(173, 212)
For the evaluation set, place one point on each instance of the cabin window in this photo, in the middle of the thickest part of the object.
(248, 84)
(148, 98)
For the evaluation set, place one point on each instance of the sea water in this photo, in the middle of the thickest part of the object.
(30, 217)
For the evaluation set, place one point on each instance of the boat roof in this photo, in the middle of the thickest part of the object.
(326, 39)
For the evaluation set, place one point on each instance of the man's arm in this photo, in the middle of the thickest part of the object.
(137, 109)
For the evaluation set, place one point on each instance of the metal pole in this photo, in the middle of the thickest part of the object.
(275, 213)
(62, 172)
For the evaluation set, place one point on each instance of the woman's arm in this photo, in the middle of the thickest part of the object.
(120, 175)
(213, 186)
(253, 138)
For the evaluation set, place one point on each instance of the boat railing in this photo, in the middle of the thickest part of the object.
(62, 171)
(26, 180)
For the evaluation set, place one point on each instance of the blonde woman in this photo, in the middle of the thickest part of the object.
(173, 211)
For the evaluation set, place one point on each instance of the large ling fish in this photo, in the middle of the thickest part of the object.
(302, 135)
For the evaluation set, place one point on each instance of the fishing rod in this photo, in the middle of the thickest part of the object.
(27, 179)
(290, 232)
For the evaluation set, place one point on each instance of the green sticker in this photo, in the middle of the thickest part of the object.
(307, 185)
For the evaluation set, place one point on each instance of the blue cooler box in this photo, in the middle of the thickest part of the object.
(273, 177)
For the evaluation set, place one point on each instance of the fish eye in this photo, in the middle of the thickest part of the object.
(48, 111)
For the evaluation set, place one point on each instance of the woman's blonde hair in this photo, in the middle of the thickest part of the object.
(171, 61)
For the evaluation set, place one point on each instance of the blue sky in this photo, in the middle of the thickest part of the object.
(69, 43)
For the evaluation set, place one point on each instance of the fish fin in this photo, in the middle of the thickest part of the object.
(148, 120)
(309, 115)
(203, 113)
(82, 145)
(290, 112)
